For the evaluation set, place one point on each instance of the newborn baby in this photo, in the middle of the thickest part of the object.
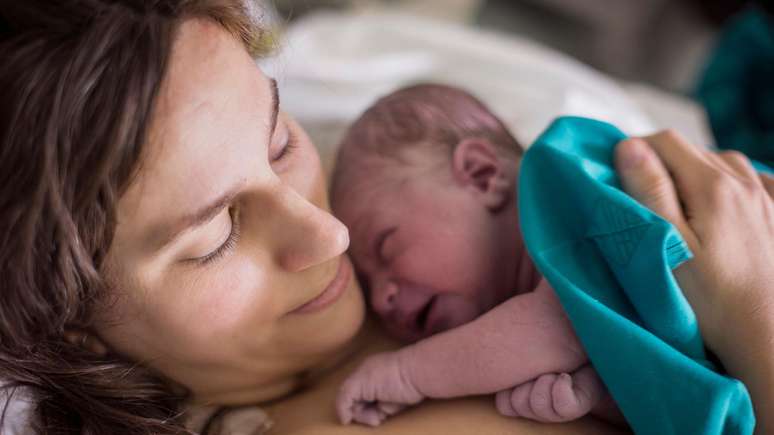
(426, 183)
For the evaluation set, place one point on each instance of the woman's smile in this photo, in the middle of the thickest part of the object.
(332, 292)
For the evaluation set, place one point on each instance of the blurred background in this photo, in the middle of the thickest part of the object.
(703, 67)
(661, 42)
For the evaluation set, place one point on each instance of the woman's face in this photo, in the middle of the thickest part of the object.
(228, 269)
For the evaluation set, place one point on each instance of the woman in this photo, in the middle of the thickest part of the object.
(166, 235)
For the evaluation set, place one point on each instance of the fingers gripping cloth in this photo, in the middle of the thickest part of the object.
(610, 261)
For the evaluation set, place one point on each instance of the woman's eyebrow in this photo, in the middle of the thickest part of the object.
(164, 235)
(274, 107)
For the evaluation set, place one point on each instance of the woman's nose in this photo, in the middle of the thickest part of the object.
(305, 235)
(383, 296)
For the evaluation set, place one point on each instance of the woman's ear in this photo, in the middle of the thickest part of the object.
(86, 340)
(477, 166)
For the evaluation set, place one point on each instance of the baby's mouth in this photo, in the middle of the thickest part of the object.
(422, 317)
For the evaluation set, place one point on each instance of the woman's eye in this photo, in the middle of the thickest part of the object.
(286, 142)
(228, 243)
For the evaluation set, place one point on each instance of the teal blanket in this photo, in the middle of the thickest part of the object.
(610, 260)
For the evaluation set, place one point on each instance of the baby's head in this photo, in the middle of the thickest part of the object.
(426, 183)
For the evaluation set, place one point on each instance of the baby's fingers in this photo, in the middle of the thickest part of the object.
(369, 415)
(566, 402)
(344, 411)
(576, 395)
(515, 402)
(347, 401)
(390, 408)
(541, 399)
(503, 404)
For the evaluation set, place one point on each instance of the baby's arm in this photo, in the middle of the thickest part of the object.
(520, 339)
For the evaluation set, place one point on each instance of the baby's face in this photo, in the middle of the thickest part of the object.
(430, 256)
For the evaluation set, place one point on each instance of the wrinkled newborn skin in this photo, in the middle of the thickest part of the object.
(435, 238)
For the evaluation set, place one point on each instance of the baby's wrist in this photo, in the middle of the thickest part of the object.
(410, 372)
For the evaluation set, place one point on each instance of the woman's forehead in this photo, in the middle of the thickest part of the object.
(210, 77)
(210, 128)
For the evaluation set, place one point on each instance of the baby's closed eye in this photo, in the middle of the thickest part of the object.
(384, 245)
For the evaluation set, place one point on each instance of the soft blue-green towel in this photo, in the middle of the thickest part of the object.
(610, 261)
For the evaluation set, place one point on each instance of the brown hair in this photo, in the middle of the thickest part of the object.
(426, 114)
(78, 80)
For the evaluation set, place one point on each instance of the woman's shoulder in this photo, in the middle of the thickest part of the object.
(311, 412)
(448, 417)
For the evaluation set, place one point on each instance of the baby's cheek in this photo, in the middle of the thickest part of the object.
(448, 265)
(457, 310)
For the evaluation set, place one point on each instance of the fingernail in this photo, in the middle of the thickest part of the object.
(633, 154)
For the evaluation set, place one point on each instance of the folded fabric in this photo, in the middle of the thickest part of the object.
(610, 261)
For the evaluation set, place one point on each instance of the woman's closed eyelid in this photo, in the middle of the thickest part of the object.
(286, 142)
(225, 241)
(278, 139)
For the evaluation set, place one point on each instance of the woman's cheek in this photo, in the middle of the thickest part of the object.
(307, 180)
(237, 302)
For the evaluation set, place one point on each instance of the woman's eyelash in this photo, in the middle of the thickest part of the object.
(233, 237)
(228, 245)
(290, 146)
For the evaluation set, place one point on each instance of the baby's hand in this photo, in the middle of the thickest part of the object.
(553, 398)
(378, 389)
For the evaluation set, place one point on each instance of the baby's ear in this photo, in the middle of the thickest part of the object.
(477, 166)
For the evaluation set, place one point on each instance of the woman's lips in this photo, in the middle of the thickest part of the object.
(332, 292)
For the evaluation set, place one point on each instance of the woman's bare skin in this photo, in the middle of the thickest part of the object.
(312, 412)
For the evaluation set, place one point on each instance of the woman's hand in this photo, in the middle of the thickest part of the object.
(724, 210)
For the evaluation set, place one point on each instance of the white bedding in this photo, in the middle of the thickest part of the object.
(331, 66)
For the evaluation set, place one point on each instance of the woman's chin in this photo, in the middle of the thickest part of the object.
(346, 319)
(326, 332)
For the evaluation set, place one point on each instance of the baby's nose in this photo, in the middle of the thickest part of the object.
(383, 297)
